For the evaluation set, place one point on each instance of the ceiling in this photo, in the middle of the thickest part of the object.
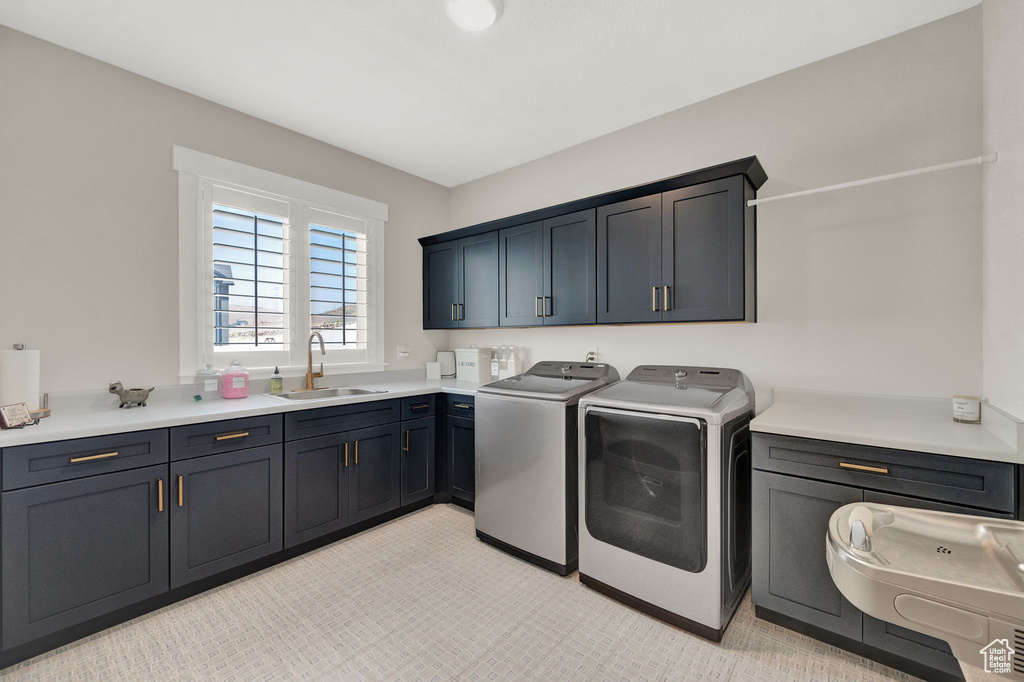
(396, 81)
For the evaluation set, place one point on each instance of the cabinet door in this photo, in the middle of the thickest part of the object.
(316, 480)
(79, 549)
(702, 252)
(521, 276)
(629, 261)
(375, 476)
(461, 443)
(417, 459)
(478, 281)
(900, 640)
(790, 575)
(440, 285)
(570, 269)
(226, 511)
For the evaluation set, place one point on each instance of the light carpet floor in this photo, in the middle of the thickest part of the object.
(420, 598)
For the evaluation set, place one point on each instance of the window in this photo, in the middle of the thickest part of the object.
(267, 260)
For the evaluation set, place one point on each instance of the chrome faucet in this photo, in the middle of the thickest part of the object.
(310, 374)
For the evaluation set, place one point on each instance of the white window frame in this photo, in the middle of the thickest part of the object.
(197, 173)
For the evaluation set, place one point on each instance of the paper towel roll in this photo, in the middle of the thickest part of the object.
(19, 377)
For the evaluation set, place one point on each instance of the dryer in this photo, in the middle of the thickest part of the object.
(664, 493)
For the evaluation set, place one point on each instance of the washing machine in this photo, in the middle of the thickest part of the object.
(664, 493)
(526, 460)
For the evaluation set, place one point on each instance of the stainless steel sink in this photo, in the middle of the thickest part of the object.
(322, 393)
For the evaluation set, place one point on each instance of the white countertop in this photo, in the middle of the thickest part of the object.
(903, 423)
(97, 414)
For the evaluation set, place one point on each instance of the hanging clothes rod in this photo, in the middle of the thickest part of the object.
(976, 161)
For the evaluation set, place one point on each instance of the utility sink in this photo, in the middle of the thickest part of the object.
(956, 577)
(322, 393)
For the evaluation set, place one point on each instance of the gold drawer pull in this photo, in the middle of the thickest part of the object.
(181, 491)
(357, 452)
(861, 467)
(229, 436)
(464, 406)
(420, 407)
(346, 454)
(159, 494)
(75, 460)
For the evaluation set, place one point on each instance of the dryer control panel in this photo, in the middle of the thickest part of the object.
(719, 377)
(574, 370)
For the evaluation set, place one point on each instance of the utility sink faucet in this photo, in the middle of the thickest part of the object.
(311, 376)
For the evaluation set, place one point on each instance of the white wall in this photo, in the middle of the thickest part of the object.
(1003, 204)
(876, 289)
(89, 214)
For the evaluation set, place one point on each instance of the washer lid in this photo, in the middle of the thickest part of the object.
(554, 381)
(713, 403)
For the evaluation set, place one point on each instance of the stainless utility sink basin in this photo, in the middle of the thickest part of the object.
(321, 393)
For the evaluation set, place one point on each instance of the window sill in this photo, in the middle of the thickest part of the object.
(288, 372)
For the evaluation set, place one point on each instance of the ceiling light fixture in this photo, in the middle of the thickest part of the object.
(473, 15)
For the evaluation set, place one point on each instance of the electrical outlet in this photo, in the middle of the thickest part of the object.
(403, 352)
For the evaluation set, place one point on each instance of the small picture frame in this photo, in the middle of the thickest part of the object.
(15, 416)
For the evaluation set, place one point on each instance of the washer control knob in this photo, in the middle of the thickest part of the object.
(566, 368)
(680, 373)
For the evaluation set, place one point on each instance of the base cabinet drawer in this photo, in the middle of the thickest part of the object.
(226, 510)
(76, 550)
(790, 575)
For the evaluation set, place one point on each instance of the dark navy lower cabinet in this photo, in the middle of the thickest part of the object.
(376, 472)
(460, 440)
(790, 574)
(790, 520)
(226, 510)
(316, 483)
(79, 549)
(418, 454)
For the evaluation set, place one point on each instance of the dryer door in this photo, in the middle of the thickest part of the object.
(645, 485)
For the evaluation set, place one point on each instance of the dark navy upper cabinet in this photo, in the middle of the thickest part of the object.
(521, 276)
(703, 249)
(570, 269)
(477, 304)
(418, 453)
(681, 249)
(226, 510)
(440, 285)
(376, 472)
(79, 549)
(629, 262)
(460, 283)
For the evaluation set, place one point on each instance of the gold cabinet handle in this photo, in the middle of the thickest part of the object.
(462, 311)
(357, 452)
(546, 313)
(346, 454)
(420, 407)
(229, 436)
(75, 460)
(159, 494)
(181, 491)
(861, 467)
(453, 312)
(464, 406)
(406, 447)
(536, 307)
(654, 299)
(664, 304)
